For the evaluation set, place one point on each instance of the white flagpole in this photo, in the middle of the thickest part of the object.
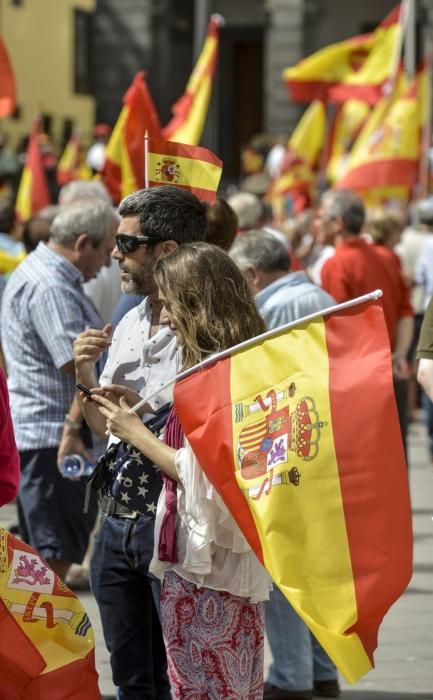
(372, 296)
(146, 160)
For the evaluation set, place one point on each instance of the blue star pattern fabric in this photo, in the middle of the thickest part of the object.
(130, 478)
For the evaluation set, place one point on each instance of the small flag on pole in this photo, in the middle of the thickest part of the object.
(192, 168)
(33, 193)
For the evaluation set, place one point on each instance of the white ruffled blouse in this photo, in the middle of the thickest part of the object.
(212, 551)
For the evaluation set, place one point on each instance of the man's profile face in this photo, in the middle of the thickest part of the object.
(136, 268)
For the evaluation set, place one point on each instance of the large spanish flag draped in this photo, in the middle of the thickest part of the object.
(123, 171)
(46, 640)
(358, 67)
(296, 182)
(299, 433)
(7, 84)
(384, 161)
(190, 111)
(192, 168)
(379, 70)
(72, 164)
(33, 193)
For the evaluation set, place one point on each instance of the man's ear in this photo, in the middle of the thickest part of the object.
(81, 243)
(167, 247)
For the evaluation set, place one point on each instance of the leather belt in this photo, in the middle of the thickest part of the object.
(111, 507)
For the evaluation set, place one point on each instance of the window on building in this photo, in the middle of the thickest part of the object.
(82, 52)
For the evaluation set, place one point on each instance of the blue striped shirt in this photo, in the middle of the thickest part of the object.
(44, 309)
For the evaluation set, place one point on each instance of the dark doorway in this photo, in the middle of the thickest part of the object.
(240, 93)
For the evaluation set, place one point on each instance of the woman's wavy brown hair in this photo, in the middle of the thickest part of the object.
(209, 300)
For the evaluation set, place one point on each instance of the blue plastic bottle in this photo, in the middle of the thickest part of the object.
(75, 466)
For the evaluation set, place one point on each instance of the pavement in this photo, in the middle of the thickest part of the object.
(404, 658)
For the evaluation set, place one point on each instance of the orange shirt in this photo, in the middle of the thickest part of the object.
(358, 268)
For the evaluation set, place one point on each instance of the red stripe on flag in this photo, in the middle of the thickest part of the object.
(395, 172)
(215, 403)
(182, 150)
(375, 480)
(366, 93)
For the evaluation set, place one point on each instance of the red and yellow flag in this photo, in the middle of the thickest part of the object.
(356, 68)
(192, 168)
(7, 84)
(123, 171)
(72, 164)
(297, 179)
(348, 121)
(312, 77)
(46, 640)
(299, 433)
(190, 111)
(33, 193)
(384, 162)
(379, 69)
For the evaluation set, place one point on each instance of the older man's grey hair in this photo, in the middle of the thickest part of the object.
(83, 189)
(347, 206)
(260, 250)
(94, 217)
(248, 208)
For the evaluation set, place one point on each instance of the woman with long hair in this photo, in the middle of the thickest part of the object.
(213, 585)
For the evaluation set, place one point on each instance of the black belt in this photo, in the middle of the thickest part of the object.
(111, 507)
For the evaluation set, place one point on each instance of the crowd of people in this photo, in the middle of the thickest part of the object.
(184, 602)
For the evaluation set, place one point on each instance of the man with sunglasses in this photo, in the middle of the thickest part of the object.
(142, 356)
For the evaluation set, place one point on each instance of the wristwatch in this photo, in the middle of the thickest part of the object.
(75, 425)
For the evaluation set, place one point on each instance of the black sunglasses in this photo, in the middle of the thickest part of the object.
(127, 243)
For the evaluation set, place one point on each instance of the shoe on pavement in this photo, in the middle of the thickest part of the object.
(271, 692)
(326, 689)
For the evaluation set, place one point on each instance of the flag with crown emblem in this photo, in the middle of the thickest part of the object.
(191, 168)
(46, 639)
(299, 434)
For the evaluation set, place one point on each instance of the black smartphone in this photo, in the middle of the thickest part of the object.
(86, 389)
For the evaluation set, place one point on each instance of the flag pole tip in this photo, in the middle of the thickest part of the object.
(377, 293)
(219, 19)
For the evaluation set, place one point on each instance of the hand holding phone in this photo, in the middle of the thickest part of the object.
(84, 389)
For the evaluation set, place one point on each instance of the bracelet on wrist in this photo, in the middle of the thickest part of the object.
(74, 424)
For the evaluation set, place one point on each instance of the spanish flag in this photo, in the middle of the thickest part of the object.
(7, 84)
(384, 162)
(298, 431)
(296, 183)
(46, 640)
(123, 171)
(356, 68)
(379, 70)
(33, 193)
(347, 123)
(192, 168)
(190, 111)
(72, 164)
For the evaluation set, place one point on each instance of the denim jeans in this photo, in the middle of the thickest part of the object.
(298, 658)
(128, 600)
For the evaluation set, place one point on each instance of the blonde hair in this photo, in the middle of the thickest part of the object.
(382, 225)
(209, 300)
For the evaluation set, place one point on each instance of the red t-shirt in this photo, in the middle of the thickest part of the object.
(9, 457)
(358, 268)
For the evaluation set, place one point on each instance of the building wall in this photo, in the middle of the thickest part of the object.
(40, 40)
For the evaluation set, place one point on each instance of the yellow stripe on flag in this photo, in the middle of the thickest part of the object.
(287, 508)
(24, 197)
(183, 171)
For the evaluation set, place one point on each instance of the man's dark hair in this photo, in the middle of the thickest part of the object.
(167, 212)
(347, 206)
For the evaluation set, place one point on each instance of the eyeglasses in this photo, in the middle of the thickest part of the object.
(127, 243)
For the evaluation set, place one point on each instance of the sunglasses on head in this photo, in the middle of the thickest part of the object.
(127, 243)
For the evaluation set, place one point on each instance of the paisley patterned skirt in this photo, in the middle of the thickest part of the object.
(214, 642)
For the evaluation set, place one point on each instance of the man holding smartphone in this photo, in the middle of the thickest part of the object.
(142, 357)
